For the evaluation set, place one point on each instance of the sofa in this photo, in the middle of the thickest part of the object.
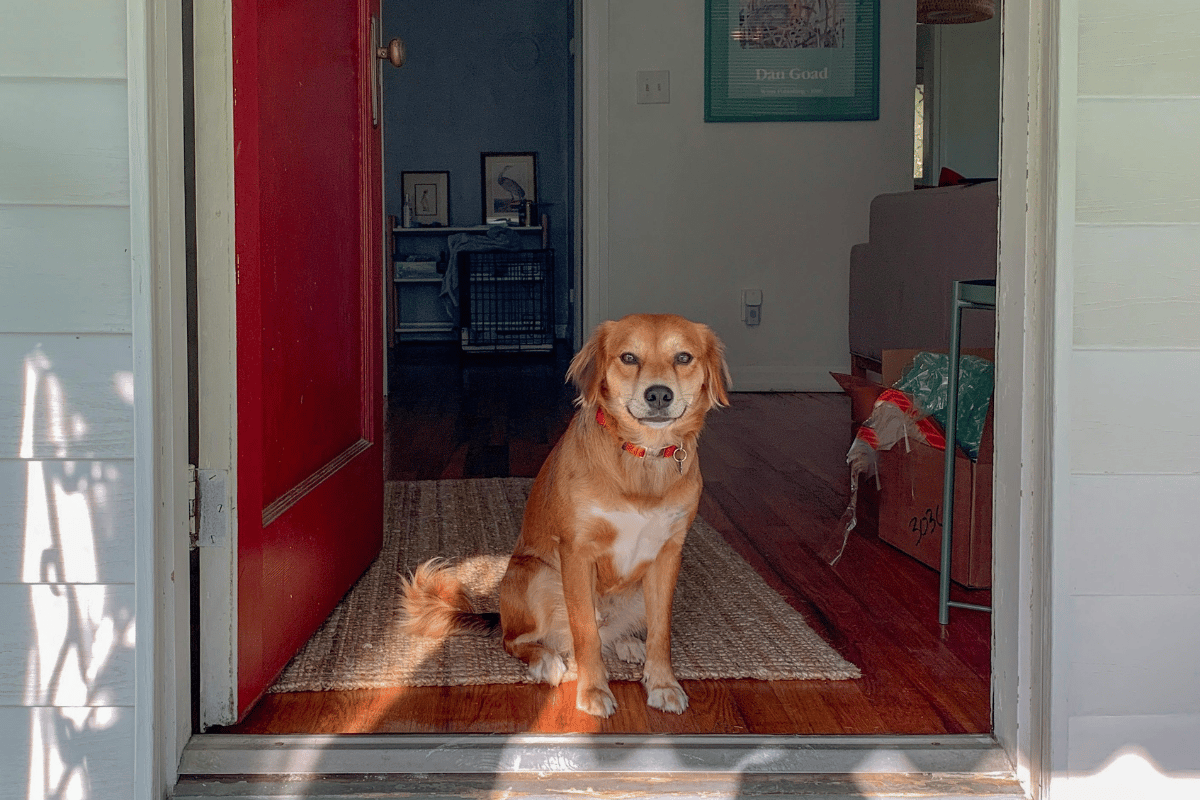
(919, 242)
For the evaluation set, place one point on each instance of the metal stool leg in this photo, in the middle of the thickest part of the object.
(948, 472)
(979, 297)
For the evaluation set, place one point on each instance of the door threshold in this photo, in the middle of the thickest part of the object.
(556, 787)
(632, 767)
(235, 765)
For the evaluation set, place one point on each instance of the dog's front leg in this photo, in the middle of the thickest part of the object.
(579, 592)
(662, 690)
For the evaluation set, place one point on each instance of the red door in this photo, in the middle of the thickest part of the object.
(309, 361)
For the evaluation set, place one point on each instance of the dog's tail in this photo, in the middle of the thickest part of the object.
(434, 604)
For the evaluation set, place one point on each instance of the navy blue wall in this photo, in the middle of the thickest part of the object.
(483, 76)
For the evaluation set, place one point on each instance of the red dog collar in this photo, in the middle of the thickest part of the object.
(670, 451)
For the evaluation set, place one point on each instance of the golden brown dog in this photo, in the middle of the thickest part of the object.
(599, 552)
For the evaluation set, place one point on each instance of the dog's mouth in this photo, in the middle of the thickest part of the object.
(660, 420)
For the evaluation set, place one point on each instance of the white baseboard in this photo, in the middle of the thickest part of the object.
(785, 379)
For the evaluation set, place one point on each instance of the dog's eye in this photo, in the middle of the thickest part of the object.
(628, 358)
(683, 358)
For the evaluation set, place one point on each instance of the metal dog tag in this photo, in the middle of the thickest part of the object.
(680, 455)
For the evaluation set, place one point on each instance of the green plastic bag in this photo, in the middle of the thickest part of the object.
(927, 382)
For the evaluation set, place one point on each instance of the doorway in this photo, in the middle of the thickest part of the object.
(743, 516)
(481, 82)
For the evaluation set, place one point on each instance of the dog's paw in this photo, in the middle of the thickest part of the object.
(630, 649)
(548, 668)
(667, 698)
(595, 700)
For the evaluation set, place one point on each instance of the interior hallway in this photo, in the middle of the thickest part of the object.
(775, 486)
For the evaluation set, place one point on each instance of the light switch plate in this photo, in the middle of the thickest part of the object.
(654, 86)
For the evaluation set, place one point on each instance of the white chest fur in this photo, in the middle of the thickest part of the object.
(640, 535)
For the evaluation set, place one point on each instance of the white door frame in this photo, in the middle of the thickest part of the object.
(1029, 150)
(216, 297)
(591, 58)
(162, 655)
(1024, 403)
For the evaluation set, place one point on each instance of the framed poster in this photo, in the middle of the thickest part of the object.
(509, 181)
(428, 196)
(772, 60)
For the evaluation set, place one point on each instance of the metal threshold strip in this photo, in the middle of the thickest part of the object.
(597, 765)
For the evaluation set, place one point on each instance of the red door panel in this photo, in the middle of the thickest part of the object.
(309, 398)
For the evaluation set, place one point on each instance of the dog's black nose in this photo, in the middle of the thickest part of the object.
(659, 397)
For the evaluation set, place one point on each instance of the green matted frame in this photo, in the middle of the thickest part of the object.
(775, 60)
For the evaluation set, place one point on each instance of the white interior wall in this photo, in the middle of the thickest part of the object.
(1126, 593)
(967, 105)
(699, 211)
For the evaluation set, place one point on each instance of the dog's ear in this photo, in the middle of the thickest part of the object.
(717, 379)
(586, 370)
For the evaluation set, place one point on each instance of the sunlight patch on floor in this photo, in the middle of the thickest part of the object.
(1130, 773)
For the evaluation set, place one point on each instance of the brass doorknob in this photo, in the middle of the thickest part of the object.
(394, 52)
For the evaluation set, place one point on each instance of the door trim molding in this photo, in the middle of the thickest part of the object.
(1029, 147)
(216, 359)
(1025, 400)
(158, 261)
(593, 176)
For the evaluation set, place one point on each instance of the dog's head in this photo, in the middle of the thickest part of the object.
(655, 371)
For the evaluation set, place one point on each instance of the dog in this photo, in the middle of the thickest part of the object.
(595, 566)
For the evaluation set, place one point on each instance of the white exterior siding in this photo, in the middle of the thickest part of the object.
(72, 39)
(1134, 167)
(61, 299)
(1138, 49)
(66, 404)
(1140, 289)
(67, 142)
(67, 752)
(1134, 411)
(1127, 597)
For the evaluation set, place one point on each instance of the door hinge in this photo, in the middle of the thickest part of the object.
(193, 510)
(209, 519)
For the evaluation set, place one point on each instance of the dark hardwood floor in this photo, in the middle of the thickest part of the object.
(776, 485)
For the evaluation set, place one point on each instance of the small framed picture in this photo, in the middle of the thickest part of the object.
(509, 181)
(428, 197)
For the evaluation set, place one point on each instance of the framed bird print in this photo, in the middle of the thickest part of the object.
(509, 182)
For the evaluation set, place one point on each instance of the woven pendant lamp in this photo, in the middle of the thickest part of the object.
(954, 12)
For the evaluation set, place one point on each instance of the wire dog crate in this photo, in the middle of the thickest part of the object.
(506, 300)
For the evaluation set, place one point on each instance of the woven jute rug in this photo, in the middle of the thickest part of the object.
(727, 622)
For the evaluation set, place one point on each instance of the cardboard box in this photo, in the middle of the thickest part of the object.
(910, 496)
